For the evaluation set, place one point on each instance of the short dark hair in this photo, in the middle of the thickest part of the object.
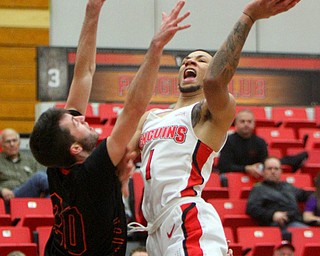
(49, 143)
(138, 249)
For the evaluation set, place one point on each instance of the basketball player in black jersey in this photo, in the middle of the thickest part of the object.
(85, 187)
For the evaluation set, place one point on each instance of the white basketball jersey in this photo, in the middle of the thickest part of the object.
(175, 163)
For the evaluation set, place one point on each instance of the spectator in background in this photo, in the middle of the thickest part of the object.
(244, 151)
(273, 202)
(20, 174)
(139, 251)
(16, 253)
(311, 214)
(284, 249)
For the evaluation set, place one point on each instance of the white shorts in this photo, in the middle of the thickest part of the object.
(190, 229)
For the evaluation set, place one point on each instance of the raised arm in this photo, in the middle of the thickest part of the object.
(223, 66)
(85, 64)
(141, 88)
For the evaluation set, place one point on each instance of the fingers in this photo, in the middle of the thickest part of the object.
(182, 18)
(173, 17)
(284, 5)
(176, 10)
(230, 252)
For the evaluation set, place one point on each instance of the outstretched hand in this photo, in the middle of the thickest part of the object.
(261, 9)
(95, 6)
(170, 24)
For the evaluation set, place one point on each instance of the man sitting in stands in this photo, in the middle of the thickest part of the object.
(273, 202)
(20, 174)
(244, 151)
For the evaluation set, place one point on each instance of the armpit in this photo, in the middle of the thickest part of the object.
(196, 114)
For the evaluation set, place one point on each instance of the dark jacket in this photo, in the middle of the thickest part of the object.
(268, 197)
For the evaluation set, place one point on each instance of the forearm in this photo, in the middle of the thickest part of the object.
(86, 51)
(141, 87)
(85, 63)
(228, 166)
(225, 61)
(309, 217)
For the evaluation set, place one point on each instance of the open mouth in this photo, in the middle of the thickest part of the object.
(189, 73)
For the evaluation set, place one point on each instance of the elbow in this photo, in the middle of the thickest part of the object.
(92, 68)
(209, 81)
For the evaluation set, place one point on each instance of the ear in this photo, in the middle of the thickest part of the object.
(75, 149)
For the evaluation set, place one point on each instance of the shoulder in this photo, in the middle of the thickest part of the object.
(259, 185)
(233, 136)
(259, 139)
(312, 197)
(26, 156)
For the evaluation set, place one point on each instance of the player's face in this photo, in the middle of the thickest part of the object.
(192, 71)
(80, 130)
(245, 124)
(272, 170)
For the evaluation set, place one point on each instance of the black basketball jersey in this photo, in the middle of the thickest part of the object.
(88, 208)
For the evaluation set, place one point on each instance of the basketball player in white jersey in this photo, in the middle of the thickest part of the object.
(178, 145)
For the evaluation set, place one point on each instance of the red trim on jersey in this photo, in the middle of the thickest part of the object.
(148, 168)
(192, 230)
(199, 158)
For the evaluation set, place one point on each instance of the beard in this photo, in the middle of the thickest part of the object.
(190, 88)
(89, 143)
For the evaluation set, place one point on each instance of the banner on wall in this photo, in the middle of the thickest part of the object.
(261, 79)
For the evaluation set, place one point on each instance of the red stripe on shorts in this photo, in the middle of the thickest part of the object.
(192, 230)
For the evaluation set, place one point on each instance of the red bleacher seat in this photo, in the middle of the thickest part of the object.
(312, 164)
(282, 138)
(16, 239)
(306, 240)
(300, 180)
(42, 234)
(261, 240)
(232, 213)
(109, 112)
(312, 138)
(239, 184)
(293, 117)
(32, 212)
(5, 218)
(260, 114)
(289, 113)
(236, 248)
(10, 234)
(213, 188)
